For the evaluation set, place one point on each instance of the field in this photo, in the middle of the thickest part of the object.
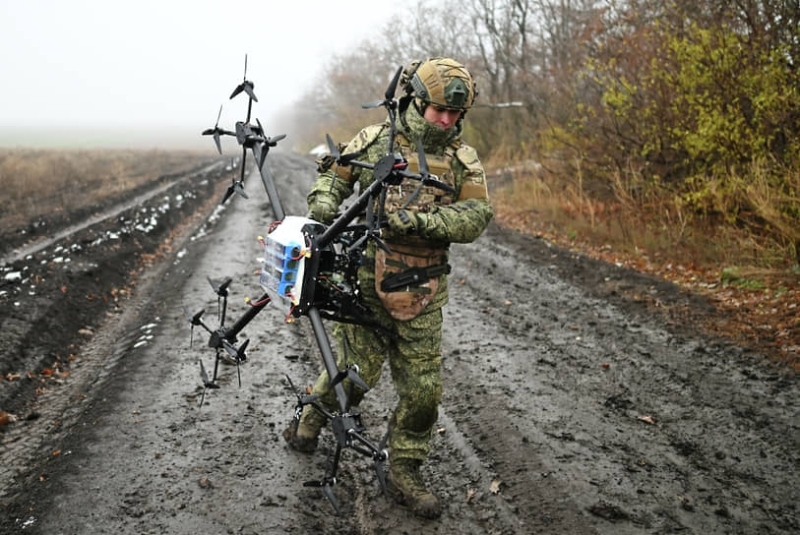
(46, 188)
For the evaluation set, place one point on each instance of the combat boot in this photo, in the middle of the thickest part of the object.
(405, 485)
(303, 436)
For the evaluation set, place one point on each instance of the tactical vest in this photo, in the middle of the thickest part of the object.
(407, 280)
(429, 196)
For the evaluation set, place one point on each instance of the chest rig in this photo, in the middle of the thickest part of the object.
(429, 197)
(407, 279)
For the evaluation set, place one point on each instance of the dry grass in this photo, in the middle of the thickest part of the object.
(746, 264)
(743, 221)
(41, 182)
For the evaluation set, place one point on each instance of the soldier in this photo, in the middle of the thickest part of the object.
(436, 94)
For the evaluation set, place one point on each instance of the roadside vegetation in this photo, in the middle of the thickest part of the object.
(660, 135)
(653, 125)
(41, 185)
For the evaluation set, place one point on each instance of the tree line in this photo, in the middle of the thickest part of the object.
(635, 99)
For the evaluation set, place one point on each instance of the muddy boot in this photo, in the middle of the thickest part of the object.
(303, 436)
(405, 485)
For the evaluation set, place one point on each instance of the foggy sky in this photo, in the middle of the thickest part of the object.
(168, 63)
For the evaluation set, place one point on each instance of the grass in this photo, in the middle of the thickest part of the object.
(747, 264)
(743, 222)
(41, 183)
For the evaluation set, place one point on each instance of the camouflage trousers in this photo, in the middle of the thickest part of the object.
(414, 359)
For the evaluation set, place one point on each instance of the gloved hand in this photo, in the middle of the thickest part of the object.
(404, 222)
(322, 209)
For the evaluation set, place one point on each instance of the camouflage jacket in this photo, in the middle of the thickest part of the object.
(449, 218)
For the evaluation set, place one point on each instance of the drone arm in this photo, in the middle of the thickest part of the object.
(364, 446)
(259, 151)
(350, 214)
(328, 358)
(247, 317)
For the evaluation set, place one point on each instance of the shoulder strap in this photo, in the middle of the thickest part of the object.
(363, 140)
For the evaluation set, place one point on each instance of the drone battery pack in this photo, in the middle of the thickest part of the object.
(285, 255)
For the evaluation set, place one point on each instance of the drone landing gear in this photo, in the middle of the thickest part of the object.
(348, 431)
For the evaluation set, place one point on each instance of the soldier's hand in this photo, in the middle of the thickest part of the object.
(324, 163)
(403, 222)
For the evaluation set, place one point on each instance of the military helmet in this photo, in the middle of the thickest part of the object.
(443, 82)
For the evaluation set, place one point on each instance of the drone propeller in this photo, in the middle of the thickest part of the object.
(207, 383)
(238, 187)
(424, 175)
(228, 192)
(388, 101)
(338, 157)
(329, 480)
(302, 400)
(222, 288)
(222, 294)
(326, 484)
(195, 320)
(268, 142)
(216, 131)
(350, 372)
(372, 232)
(238, 355)
(235, 187)
(273, 141)
(246, 85)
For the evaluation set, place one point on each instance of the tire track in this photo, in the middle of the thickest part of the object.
(112, 212)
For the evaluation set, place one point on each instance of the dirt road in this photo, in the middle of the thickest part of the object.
(568, 409)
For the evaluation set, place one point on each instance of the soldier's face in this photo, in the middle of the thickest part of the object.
(441, 117)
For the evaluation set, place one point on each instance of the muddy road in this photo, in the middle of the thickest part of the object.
(568, 408)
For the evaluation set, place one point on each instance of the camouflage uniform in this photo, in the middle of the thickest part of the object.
(439, 218)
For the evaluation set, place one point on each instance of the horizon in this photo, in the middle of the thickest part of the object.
(169, 62)
(113, 137)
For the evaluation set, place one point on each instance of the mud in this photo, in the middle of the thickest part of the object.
(569, 406)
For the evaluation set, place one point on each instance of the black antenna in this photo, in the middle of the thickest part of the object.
(390, 103)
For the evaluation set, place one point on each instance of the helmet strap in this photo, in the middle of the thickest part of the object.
(402, 104)
(420, 105)
(402, 107)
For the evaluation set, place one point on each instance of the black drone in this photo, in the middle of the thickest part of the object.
(311, 268)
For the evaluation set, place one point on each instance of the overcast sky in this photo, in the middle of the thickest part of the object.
(166, 62)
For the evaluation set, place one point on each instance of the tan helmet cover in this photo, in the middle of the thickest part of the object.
(443, 82)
